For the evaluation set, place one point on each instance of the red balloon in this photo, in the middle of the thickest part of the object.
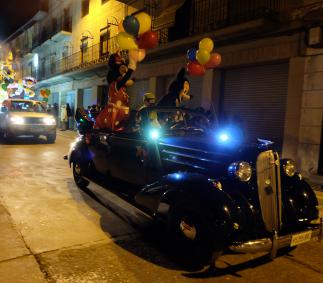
(148, 40)
(215, 60)
(194, 68)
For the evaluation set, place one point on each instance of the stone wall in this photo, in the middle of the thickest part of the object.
(311, 113)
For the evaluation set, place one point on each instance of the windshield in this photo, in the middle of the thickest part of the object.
(178, 121)
(26, 106)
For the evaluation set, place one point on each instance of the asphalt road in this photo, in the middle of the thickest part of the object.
(50, 231)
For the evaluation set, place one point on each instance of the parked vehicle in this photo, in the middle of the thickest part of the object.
(26, 117)
(213, 189)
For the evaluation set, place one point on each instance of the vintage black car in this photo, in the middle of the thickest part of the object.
(213, 189)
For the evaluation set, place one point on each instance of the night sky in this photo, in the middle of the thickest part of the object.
(14, 14)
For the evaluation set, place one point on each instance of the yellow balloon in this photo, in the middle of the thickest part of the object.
(144, 22)
(207, 44)
(202, 56)
(126, 41)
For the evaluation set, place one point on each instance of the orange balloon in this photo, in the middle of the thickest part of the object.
(137, 55)
(215, 60)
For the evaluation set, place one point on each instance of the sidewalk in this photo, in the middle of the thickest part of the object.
(17, 263)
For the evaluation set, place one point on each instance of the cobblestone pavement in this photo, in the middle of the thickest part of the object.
(53, 232)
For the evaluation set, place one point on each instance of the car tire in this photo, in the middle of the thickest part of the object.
(51, 138)
(79, 169)
(191, 235)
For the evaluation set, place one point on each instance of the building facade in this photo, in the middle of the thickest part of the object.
(270, 77)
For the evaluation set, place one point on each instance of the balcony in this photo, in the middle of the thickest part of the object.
(88, 59)
(62, 29)
(203, 16)
(55, 29)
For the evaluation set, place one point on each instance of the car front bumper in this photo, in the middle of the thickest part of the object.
(275, 243)
(19, 130)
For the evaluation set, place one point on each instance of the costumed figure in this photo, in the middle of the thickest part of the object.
(177, 91)
(149, 99)
(117, 109)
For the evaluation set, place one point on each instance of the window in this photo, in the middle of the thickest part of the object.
(85, 7)
(104, 40)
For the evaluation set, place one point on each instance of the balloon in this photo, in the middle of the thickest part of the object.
(131, 25)
(120, 27)
(207, 44)
(148, 40)
(191, 54)
(4, 86)
(126, 41)
(202, 56)
(137, 55)
(144, 22)
(195, 69)
(215, 60)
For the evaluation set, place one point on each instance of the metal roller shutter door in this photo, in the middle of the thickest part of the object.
(257, 95)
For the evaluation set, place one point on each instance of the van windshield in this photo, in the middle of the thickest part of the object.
(26, 106)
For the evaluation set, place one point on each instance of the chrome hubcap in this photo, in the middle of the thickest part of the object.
(188, 230)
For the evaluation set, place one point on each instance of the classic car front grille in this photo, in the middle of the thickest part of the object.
(269, 189)
(34, 120)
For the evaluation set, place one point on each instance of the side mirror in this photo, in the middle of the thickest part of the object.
(4, 109)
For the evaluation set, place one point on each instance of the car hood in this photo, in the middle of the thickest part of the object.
(30, 114)
(205, 152)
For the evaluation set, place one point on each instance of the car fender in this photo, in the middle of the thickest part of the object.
(195, 188)
(78, 150)
(299, 199)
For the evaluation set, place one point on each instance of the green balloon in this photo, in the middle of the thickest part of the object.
(4, 87)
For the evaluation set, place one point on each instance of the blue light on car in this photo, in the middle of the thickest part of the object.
(154, 134)
(178, 176)
(231, 135)
(224, 137)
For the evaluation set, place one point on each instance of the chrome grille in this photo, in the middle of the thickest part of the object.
(269, 189)
(34, 120)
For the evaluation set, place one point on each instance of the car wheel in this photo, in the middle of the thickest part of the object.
(51, 138)
(79, 170)
(191, 234)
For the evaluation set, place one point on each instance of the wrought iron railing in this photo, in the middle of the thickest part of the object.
(83, 59)
(209, 15)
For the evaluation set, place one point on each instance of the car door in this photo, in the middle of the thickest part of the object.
(128, 156)
(100, 152)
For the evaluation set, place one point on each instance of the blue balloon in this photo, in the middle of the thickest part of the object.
(191, 54)
(131, 25)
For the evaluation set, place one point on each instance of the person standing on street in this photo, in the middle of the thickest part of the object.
(69, 116)
(64, 118)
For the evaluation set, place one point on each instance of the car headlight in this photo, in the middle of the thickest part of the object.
(17, 120)
(242, 170)
(49, 121)
(289, 167)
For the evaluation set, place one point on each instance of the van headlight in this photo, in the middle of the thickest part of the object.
(49, 121)
(16, 120)
(289, 167)
(242, 170)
